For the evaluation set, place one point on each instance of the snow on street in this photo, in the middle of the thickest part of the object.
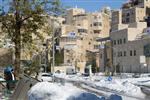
(51, 91)
(127, 86)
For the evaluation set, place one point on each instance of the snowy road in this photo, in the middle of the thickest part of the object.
(91, 87)
(101, 91)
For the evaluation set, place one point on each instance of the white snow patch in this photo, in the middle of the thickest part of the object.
(51, 91)
(127, 85)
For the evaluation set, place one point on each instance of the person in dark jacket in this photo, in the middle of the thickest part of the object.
(9, 77)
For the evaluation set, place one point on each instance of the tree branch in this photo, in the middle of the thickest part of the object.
(25, 18)
(6, 27)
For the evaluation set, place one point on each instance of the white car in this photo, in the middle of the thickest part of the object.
(45, 77)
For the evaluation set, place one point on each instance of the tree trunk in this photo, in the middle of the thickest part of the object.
(17, 52)
(17, 40)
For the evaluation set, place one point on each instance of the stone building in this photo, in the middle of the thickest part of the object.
(130, 37)
(81, 30)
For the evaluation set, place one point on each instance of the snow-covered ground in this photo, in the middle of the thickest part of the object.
(55, 91)
(125, 85)
(51, 91)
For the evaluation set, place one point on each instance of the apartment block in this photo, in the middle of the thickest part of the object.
(72, 12)
(132, 15)
(81, 31)
(137, 3)
(130, 37)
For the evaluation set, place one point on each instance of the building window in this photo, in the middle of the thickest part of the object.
(68, 61)
(89, 43)
(130, 52)
(120, 41)
(128, 14)
(67, 51)
(124, 53)
(97, 31)
(94, 24)
(97, 24)
(95, 17)
(114, 42)
(121, 54)
(101, 56)
(134, 52)
(127, 20)
(124, 40)
(82, 30)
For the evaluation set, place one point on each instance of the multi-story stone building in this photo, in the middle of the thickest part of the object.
(80, 32)
(137, 3)
(130, 37)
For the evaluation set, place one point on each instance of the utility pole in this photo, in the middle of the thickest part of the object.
(46, 56)
(53, 42)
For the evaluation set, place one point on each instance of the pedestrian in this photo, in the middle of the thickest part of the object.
(9, 77)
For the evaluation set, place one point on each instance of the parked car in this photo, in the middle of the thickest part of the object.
(85, 74)
(145, 90)
(136, 75)
(45, 77)
(70, 71)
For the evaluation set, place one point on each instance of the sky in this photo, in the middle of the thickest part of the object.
(89, 5)
(93, 5)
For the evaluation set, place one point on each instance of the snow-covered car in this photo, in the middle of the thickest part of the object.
(136, 75)
(45, 77)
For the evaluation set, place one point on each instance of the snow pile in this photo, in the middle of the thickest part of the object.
(50, 91)
(131, 89)
(140, 81)
(126, 85)
(71, 77)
